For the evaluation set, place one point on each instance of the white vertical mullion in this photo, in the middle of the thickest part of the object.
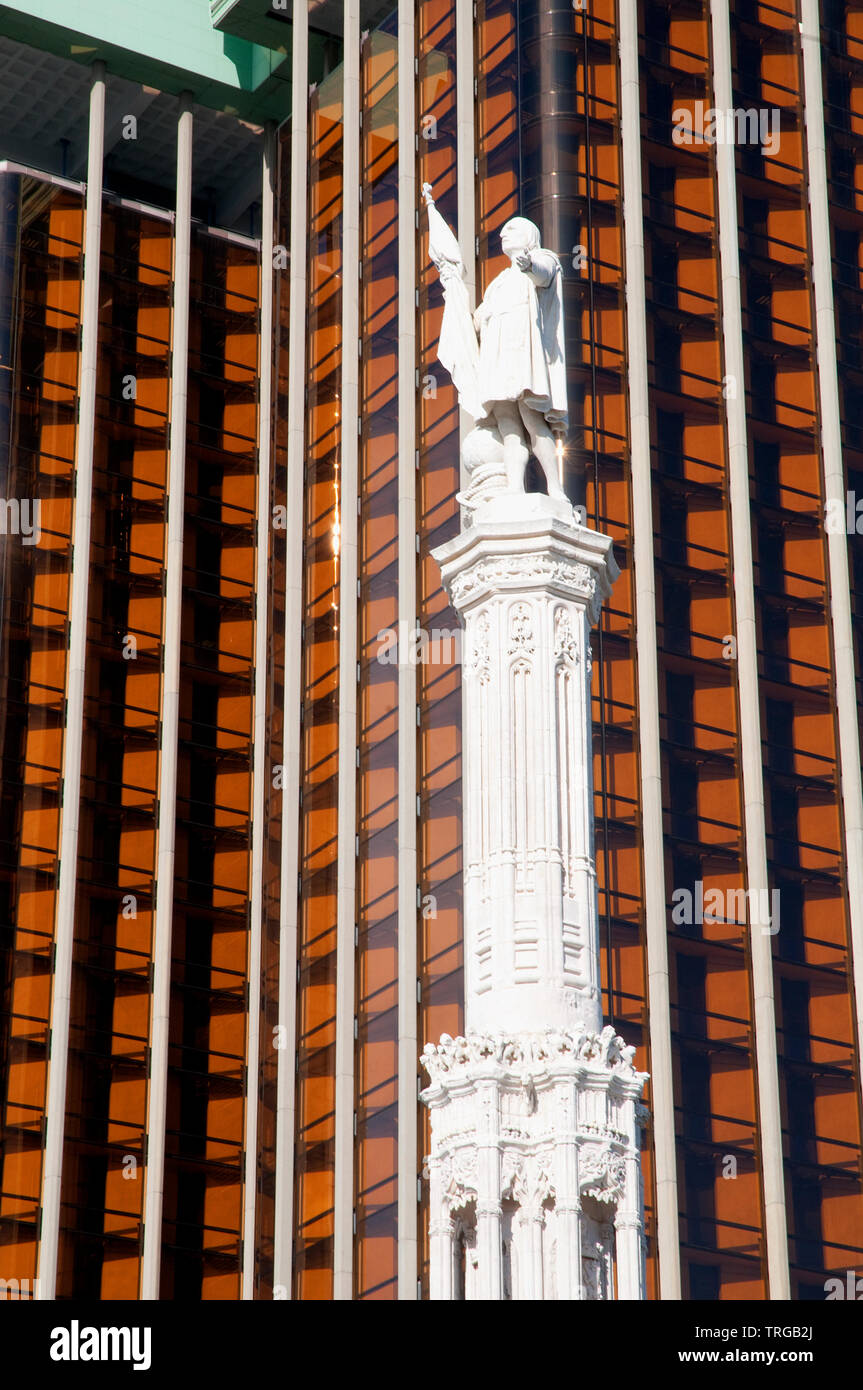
(834, 492)
(170, 715)
(348, 570)
(260, 772)
(407, 685)
(465, 70)
(79, 585)
(289, 898)
(661, 1081)
(755, 838)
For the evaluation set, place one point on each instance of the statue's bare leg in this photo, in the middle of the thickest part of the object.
(544, 448)
(515, 450)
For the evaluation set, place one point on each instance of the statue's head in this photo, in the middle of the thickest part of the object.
(519, 234)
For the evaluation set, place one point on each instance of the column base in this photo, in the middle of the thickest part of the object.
(540, 1131)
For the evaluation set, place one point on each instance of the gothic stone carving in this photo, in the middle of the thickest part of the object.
(601, 1172)
(527, 1052)
(479, 662)
(521, 641)
(523, 569)
(458, 1178)
(565, 644)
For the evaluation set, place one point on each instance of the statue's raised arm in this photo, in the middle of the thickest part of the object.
(458, 349)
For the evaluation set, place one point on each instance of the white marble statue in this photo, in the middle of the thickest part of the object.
(533, 1166)
(512, 380)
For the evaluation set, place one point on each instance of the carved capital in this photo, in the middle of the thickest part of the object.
(526, 1054)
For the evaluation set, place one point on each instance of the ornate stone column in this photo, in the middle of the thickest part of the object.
(441, 1234)
(568, 1206)
(528, 585)
(629, 1221)
(533, 1111)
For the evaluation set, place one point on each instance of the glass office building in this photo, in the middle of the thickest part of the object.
(230, 810)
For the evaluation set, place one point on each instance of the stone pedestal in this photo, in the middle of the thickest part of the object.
(534, 1169)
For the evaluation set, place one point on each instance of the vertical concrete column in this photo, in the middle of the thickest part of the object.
(348, 570)
(834, 492)
(10, 232)
(288, 905)
(662, 1091)
(262, 771)
(79, 584)
(755, 837)
(407, 687)
(170, 715)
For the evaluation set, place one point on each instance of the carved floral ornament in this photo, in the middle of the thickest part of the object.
(479, 662)
(524, 569)
(527, 1178)
(601, 1172)
(527, 1052)
(529, 1183)
(521, 641)
(458, 1178)
(565, 644)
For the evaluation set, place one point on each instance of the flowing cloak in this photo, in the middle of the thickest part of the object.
(522, 355)
(458, 349)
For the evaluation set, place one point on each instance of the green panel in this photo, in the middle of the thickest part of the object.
(251, 19)
(169, 44)
(267, 23)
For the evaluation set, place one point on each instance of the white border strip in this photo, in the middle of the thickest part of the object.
(261, 772)
(661, 1074)
(767, 1067)
(79, 588)
(289, 900)
(170, 714)
(348, 570)
(408, 1052)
